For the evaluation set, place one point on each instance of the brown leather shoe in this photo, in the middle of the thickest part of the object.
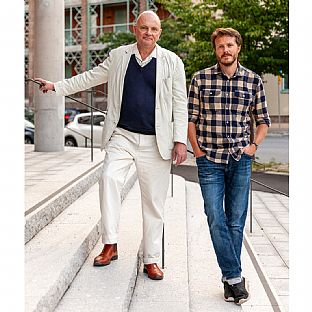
(108, 254)
(153, 271)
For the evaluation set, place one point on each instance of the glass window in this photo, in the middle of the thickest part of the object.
(120, 18)
(97, 119)
(85, 120)
(285, 85)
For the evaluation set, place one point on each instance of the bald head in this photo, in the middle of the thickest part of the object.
(149, 15)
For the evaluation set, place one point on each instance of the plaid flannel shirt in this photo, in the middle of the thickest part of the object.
(219, 107)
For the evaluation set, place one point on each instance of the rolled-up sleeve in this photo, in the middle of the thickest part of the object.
(260, 110)
(193, 101)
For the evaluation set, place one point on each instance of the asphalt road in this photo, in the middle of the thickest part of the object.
(274, 148)
(278, 182)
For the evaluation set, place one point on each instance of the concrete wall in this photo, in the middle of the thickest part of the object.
(271, 89)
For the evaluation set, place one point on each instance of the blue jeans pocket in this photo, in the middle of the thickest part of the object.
(200, 158)
(251, 157)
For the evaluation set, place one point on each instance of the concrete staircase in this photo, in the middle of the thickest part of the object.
(59, 234)
(59, 253)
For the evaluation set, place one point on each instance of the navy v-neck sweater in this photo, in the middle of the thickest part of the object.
(138, 99)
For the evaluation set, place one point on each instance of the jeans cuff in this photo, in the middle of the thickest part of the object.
(232, 281)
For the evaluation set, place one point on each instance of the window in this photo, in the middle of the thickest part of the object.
(86, 120)
(285, 83)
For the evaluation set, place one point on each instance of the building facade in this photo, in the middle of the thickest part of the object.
(85, 23)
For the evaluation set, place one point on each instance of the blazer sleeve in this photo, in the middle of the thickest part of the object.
(179, 104)
(88, 79)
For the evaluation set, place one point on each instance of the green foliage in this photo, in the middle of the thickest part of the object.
(115, 40)
(262, 24)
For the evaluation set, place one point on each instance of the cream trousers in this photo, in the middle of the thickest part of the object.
(153, 172)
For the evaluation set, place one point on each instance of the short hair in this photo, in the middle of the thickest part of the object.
(220, 32)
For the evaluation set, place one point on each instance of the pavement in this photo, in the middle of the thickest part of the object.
(192, 277)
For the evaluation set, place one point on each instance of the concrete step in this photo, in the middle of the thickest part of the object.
(172, 293)
(110, 288)
(41, 214)
(55, 255)
(206, 289)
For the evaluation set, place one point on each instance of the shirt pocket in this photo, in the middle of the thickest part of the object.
(241, 101)
(211, 99)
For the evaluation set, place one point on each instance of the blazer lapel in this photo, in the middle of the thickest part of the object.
(159, 73)
(123, 68)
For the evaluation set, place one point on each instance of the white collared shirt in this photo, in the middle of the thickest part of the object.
(139, 58)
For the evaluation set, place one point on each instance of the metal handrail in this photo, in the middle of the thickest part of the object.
(85, 104)
(72, 98)
(85, 137)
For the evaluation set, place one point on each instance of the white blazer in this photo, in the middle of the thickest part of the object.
(171, 116)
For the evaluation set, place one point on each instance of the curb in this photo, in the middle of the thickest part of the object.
(44, 212)
(267, 285)
(50, 299)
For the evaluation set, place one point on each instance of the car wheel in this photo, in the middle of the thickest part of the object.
(70, 142)
(28, 140)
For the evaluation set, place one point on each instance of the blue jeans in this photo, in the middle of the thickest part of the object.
(228, 183)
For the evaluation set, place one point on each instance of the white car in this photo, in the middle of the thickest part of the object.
(78, 132)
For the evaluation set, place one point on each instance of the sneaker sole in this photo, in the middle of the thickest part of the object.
(241, 301)
(229, 299)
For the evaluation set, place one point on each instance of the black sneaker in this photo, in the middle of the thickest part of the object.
(228, 293)
(240, 292)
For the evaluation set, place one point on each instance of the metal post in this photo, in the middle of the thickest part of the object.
(91, 125)
(171, 178)
(279, 82)
(250, 205)
(163, 248)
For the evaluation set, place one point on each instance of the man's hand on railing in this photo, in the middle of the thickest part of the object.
(45, 85)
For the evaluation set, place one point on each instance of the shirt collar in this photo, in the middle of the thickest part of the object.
(239, 70)
(136, 52)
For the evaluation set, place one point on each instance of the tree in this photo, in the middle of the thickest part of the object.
(116, 39)
(263, 25)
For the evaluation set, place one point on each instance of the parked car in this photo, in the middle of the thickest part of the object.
(29, 114)
(76, 132)
(70, 113)
(29, 132)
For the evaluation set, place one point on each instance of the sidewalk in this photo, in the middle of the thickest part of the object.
(278, 129)
(267, 268)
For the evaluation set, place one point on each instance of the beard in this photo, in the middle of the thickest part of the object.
(229, 62)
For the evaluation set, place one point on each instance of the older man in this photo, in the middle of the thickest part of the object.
(146, 124)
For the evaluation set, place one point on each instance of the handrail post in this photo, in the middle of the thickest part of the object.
(171, 178)
(163, 248)
(250, 211)
(91, 125)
